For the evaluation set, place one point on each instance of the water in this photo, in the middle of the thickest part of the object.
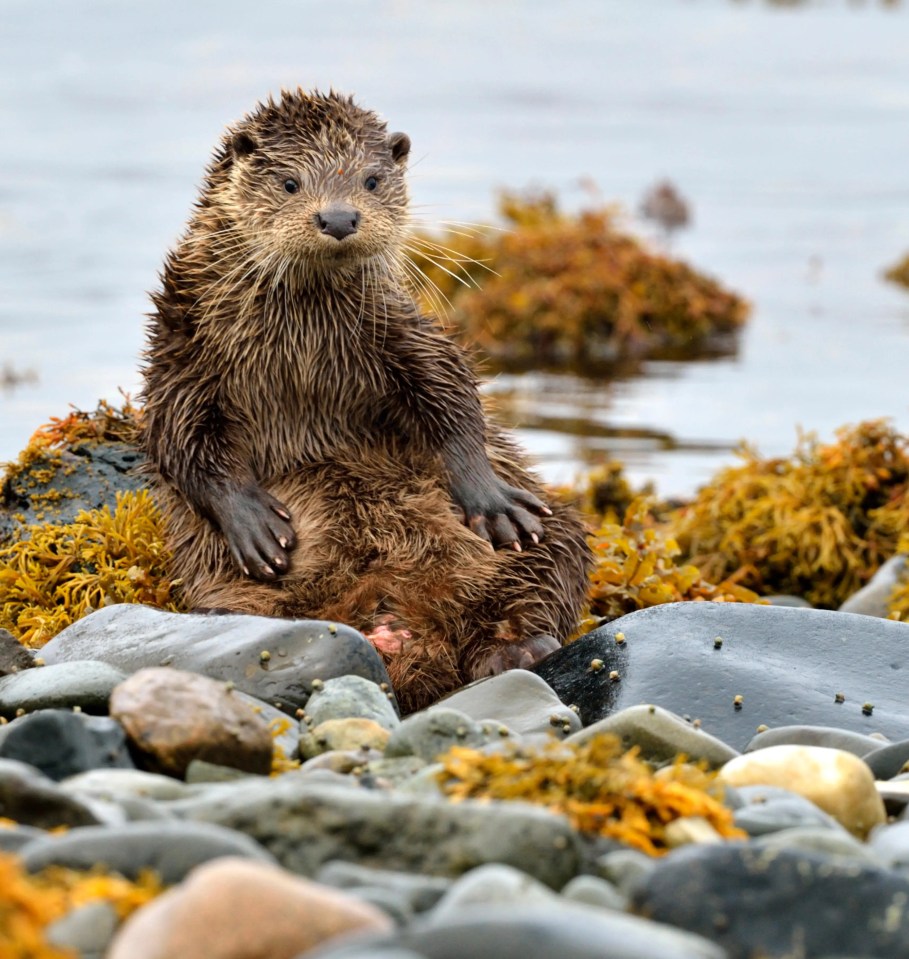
(786, 127)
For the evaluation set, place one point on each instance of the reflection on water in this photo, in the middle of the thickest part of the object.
(786, 131)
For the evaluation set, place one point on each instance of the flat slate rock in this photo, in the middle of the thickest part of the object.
(87, 684)
(131, 637)
(787, 664)
(756, 901)
(91, 477)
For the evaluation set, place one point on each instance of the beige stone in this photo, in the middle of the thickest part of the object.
(173, 717)
(237, 909)
(343, 735)
(836, 781)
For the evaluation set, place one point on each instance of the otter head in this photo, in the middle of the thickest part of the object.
(313, 183)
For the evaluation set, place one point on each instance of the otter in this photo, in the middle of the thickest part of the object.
(318, 444)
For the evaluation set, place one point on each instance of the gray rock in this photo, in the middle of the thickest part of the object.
(660, 735)
(785, 599)
(115, 785)
(13, 838)
(891, 844)
(561, 930)
(397, 772)
(756, 901)
(87, 930)
(626, 869)
(62, 743)
(351, 697)
(199, 771)
(131, 637)
(768, 809)
(490, 885)
(888, 761)
(873, 599)
(171, 849)
(432, 732)
(306, 824)
(850, 742)
(518, 699)
(30, 798)
(420, 892)
(86, 684)
(88, 476)
(593, 891)
(788, 664)
(822, 840)
(14, 657)
(288, 738)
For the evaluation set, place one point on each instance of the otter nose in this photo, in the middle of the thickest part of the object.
(338, 220)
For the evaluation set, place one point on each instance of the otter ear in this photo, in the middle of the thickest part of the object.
(399, 144)
(242, 144)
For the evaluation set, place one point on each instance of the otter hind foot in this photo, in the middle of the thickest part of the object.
(514, 654)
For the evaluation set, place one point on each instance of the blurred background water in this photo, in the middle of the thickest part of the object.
(785, 125)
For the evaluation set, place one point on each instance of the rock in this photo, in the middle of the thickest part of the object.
(835, 781)
(780, 903)
(173, 717)
(343, 735)
(62, 743)
(517, 699)
(14, 657)
(873, 599)
(87, 930)
(562, 930)
(850, 742)
(170, 848)
(85, 684)
(14, 837)
(351, 697)
(418, 891)
(343, 762)
(768, 809)
(690, 830)
(30, 798)
(307, 824)
(788, 665)
(229, 648)
(888, 761)
(432, 732)
(236, 909)
(115, 785)
(891, 844)
(399, 772)
(199, 772)
(284, 729)
(87, 476)
(626, 869)
(593, 891)
(824, 841)
(491, 885)
(660, 736)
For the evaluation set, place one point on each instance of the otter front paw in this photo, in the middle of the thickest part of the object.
(258, 531)
(503, 515)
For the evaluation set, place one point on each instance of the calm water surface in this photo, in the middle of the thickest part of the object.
(787, 128)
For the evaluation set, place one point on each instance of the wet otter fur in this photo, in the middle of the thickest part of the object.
(319, 446)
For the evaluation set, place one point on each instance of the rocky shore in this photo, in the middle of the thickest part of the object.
(260, 770)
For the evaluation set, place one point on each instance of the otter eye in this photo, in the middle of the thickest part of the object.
(291, 186)
(371, 182)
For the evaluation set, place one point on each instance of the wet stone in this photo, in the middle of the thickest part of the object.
(823, 841)
(560, 930)
(13, 838)
(491, 885)
(343, 735)
(432, 732)
(131, 637)
(593, 891)
(888, 761)
(85, 684)
(518, 699)
(116, 785)
(87, 930)
(169, 848)
(30, 798)
(779, 903)
(624, 868)
(856, 743)
(62, 743)
(351, 697)
(768, 809)
(420, 892)
(660, 735)
(891, 844)
(14, 657)
(173, 717)
(788, 664)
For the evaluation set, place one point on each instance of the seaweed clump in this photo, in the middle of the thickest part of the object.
(29, 903)
(56, 573)
(635, 567)
(816, 524)
(561, 290)
(600, 789)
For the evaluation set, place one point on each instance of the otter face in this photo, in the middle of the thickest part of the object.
(314, 182)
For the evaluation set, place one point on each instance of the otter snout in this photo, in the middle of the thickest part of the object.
(338, 220)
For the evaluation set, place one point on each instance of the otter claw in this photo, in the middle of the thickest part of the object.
(267, 570)
(245, 570)
(517, 547)
(535, 538)
(279, 561)
(282, 541)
